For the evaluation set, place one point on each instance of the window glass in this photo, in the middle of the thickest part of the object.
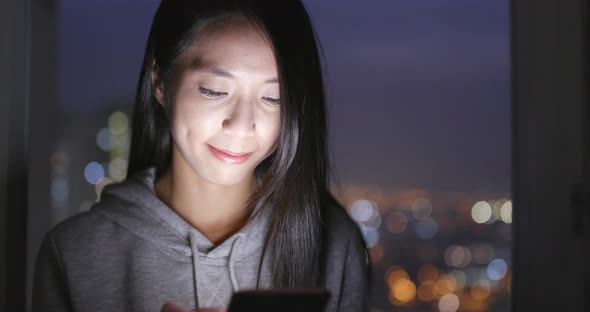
(419, 106)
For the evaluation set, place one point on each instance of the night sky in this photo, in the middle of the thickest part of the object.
(418, 90)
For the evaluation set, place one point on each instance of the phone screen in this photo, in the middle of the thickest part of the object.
(284, 300)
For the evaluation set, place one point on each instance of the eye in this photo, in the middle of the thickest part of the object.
(272, 101)
(211, 93)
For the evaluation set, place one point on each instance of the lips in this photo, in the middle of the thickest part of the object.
(229, 157)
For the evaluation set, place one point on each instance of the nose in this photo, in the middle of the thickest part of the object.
(241, 120)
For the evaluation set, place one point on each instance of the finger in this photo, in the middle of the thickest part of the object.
(172, 307)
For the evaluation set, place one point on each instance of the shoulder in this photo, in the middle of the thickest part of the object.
(78, 224)
(344, 236)
(338, 222)
(80, 231)
(347, 262)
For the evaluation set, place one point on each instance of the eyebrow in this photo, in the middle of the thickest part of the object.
(222, 73)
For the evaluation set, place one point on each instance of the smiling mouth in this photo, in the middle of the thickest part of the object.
(229, 157)
(231, 153)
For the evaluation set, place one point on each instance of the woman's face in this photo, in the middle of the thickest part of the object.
(224, 103)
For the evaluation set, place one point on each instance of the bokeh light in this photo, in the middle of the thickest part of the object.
(103, 139)
(370, 235)
(506, 212)
(427, 272)
(395, 273)
(427, 291)
(119, 144)
(457, 256)
(448, 303)
(421, 208)
(460, 278)
(361, 210)
(446, 284)
(403, 290)
(481, 212)
(426, 229)
(375, 219)
(497, 269)
(118, 123)
(481, 289)
(396, 222)
(93, 172)
(118, 169)
(366, 214)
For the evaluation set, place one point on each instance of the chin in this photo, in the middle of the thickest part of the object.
(228, 177)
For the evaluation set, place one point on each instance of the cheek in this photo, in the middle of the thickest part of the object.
(270, 131)
(190, 121)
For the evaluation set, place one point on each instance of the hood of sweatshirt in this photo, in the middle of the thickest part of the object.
(134, 205)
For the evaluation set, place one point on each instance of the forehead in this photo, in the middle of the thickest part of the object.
(235, 45)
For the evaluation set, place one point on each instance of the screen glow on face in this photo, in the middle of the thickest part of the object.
(225, 106)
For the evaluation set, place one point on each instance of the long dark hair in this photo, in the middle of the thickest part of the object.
(295, 183)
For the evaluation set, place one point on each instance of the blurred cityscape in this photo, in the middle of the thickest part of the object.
(431, 250)
(435, 250)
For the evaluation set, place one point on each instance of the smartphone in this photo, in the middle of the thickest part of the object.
(283, 300)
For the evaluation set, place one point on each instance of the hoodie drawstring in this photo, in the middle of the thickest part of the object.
(195, 253)
(232, 275)
(195, 250)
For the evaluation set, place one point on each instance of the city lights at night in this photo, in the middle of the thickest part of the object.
(452, 260)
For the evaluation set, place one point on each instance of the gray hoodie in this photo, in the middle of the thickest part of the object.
(131, 252)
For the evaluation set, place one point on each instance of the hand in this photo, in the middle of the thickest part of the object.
(172, 307)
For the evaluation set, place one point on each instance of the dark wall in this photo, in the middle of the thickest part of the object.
(27, 111)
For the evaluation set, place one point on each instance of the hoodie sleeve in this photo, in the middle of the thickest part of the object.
(50, 290)
(356, 280)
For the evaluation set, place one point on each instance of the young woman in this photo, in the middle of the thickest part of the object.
(227, 183)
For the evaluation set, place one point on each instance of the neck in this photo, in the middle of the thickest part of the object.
(217, 211)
